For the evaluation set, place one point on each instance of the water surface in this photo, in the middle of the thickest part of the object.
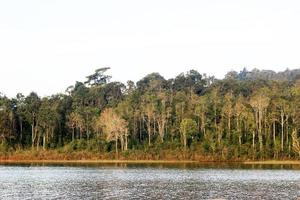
(146, 182)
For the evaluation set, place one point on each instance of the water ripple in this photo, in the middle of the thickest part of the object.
(146, 183)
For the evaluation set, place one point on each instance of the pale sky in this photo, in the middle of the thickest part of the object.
(46, 45)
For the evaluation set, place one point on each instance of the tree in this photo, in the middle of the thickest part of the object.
(227, 111)
(282, 104)
(114, 127)
(200, 111)
(98, 78)
(188, 127)
(255, 110)
(21, 113)
(231, 75)
(33, 103)
(163, 114)
(6, 121)
(190, 82)
(75, 123)
(48, 117)
(295, 115)
(239, 110)
(149, 115)
(259, 103)
(215, 104)
(152, 82)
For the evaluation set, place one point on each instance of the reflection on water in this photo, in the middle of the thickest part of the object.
(121, 181)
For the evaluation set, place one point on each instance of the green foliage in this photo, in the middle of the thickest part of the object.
(4, 147)
(188, 127)
(247, 115)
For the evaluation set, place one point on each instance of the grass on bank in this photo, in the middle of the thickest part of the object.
(82, 151)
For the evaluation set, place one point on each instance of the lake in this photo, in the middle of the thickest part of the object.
(148, 182)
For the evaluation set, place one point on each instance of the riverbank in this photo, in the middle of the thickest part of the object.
(130, 157)
(273, 162)
(137, 156)
(99, 161)
(268, 162)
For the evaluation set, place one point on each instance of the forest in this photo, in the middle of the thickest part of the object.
(246, 115)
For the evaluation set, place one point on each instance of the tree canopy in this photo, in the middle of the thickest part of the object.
(248, 114)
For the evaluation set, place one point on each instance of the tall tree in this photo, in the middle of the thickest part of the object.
(188, 127)
(227, 111)
(114, 127)
(259, 103)
(33, 103)
(98, 78)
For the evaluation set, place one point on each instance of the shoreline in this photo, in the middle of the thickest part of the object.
(273, 162)
(100, 161)
(95, 161)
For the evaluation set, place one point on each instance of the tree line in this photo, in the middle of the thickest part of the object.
(234, 117)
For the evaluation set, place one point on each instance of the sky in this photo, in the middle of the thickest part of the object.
(47, 45)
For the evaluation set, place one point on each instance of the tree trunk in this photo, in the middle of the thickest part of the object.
(21, 130)
(44, 141)
(32, 136)
(134, 125)
(161, 128)
(73, 134)
(140, 131)
(287, 130)
(253, 140)
(184, 140)
(203, 124)
(215, 120)
(122, 143)
(260, 131)
(149, 132)
(282, 129)
(239, 130)
(126, 141)
(199, 124)
(154, 125)
(229, 127)
(274, 134)
(219, 133)
(38, 141)
(116, 147)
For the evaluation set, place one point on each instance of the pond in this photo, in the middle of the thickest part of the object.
(148, 182)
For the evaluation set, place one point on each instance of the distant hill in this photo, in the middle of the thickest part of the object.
(287, 75)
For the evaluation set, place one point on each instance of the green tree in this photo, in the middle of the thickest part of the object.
(98, 78)
(259, 103)
(33, 103)
(188, 127)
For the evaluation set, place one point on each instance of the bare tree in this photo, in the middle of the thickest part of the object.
(114, 128)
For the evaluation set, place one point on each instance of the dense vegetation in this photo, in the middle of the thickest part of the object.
(247, 115)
